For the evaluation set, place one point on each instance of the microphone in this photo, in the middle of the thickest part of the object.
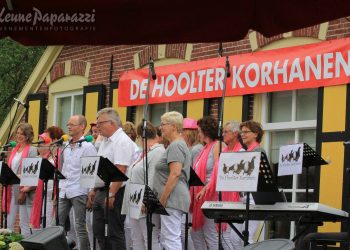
(228, 74)
(45, 141)
(151, 67)
(11, 144)
(88, 138)
(22, 103)
(60, 141)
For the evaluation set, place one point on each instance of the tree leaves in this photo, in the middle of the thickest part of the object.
(16, 64)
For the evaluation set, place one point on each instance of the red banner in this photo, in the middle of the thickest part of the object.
(308, 66)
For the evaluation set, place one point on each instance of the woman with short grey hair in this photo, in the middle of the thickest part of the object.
(170, 181)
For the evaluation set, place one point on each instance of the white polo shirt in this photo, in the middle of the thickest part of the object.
(71, 169)
(119, 149)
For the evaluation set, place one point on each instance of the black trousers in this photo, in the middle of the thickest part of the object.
(116, 238)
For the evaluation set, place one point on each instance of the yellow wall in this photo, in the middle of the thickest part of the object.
(233, 108)
(91, 105)
(195, 109)
(331, 180)
(120, 110)
(34, 116)
(334, 108)
(334, 114)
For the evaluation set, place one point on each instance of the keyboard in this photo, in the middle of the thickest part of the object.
(283, 211)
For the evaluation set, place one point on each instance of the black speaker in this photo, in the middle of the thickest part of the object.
(51, 238)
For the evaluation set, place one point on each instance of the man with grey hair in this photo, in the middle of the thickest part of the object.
(71, 194)
(122, 152)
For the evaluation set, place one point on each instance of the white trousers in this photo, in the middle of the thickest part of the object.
(139, 233)
(206, 237)
(171, 229)
(127, 231)
(11, 217)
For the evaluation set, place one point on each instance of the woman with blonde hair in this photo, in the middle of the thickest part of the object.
(191, 137)
(20, 198)
(137, 176)
(171, 178)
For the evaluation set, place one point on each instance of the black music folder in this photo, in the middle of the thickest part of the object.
(268, 192)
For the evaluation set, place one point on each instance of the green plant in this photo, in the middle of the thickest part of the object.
(10, 240)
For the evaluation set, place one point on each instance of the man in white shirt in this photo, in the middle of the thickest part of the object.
(71, 194)
(121, 151)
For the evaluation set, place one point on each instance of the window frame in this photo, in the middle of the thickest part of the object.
(71, 94)
(292, 125)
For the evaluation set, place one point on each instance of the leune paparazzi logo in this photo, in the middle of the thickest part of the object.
(36, 20)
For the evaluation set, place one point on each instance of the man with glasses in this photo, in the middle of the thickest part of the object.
(71, 194)
(122, 152)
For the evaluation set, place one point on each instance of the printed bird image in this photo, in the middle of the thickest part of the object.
(133, 197)
(88, 169)
(36, 167)
(138, 197)
(250, 166)
(232, 168)
(30, 170)
(297, 155)
(283, 158)
(240, 167)
(290, 156)
(227, 169)
(93, 168)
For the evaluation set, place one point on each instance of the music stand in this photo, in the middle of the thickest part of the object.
(7, 177)
(154, 206)
(194, 181)
(47, 172)
(108, 172)
(310, 158)
(267, 192)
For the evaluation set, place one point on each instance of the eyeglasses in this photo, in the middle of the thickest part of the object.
(101, 122)
(163, 124)
(71, 125)
(245, 132)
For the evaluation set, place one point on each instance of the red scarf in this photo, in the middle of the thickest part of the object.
(211, 189)
(25, 153)
(38, 199)
(253, 146)
(201, 170)
(37, 202)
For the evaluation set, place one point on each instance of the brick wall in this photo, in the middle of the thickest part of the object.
(100, 56)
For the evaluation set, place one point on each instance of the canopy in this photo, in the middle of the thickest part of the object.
(159, 21)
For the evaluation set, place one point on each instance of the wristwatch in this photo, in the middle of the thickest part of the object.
(110, 195)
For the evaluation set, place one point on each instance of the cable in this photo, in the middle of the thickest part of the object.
(223, 240)
(261, 230)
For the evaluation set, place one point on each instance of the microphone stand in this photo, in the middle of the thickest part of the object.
(56, 178)
(3, 158)
(149, 223)
(220, 127)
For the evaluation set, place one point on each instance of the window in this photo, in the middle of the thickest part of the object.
(290, 117)
(66, 105)
(157, 110)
